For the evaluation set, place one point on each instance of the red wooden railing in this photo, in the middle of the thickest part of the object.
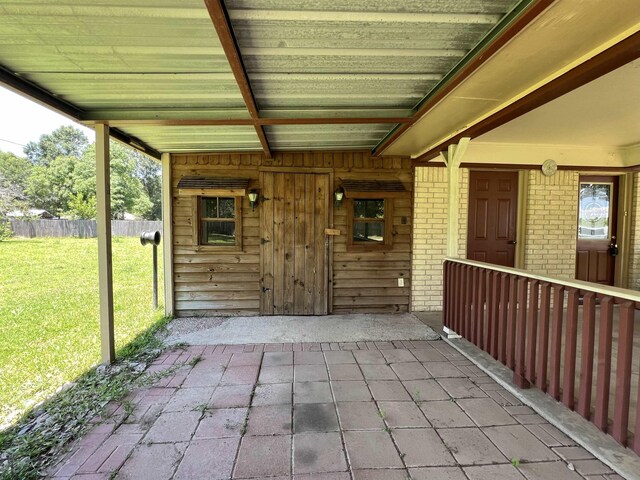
(534, 324)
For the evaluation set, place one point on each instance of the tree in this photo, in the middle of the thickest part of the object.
(14, 175)
(127, 192)
(66, 141)
(62, 177)
(15, 170)
(52, 187)
(11, 197)
(82, 208)
(149, 171)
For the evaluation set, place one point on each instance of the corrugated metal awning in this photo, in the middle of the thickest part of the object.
(159, 73)
(213, 186)
(367, 188)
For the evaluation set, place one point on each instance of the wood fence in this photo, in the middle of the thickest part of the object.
(80, 228)
(554, 334)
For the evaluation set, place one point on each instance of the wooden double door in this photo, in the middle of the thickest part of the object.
(294, 214)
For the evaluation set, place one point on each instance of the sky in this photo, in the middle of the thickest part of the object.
(22, 121)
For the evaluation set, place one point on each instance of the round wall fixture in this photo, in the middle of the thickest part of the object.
(549, 167)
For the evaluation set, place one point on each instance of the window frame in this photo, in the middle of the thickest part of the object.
(198, 224)
(387, 220)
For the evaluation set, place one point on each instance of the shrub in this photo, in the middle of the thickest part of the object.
(5, 229)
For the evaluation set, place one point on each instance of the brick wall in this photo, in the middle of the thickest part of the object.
(634, 254)
(430, 234)
(551, 219)
(463, 205)
(429, 237)
(550, 245)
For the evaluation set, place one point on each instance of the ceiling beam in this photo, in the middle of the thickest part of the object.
(502, 33)
(537, 166)
(315, 16)
(46, 99)
(614, 57)
(134, 142)
(38, 95)
(351, 52)
(332, 120)
(222, 24)
(261, 121)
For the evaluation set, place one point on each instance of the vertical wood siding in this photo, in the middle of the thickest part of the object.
(209, 283)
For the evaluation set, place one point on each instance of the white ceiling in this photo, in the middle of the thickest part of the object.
(605, 112)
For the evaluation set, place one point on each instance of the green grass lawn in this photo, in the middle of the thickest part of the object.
(49, 322)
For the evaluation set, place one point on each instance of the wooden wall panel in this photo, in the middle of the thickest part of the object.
(210, 283)
(367, 282)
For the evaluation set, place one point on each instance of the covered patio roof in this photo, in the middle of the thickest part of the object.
(394, 77)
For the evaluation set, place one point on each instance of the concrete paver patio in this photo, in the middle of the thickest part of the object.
(362, 410)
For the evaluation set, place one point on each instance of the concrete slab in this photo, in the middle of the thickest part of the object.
(264, 457)
(286, 329)
(422, 447)
(318, 453)
(371, 449)
(199, 464)
(315, 417)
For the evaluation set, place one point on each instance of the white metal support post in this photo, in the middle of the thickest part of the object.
(105, 276)
(167, 241)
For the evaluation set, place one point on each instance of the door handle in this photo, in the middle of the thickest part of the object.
(512, 242)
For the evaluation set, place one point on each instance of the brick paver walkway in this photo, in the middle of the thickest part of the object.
(363, 411)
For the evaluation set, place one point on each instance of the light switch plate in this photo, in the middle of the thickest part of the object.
(401, 282)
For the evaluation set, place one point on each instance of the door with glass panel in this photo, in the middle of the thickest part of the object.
(596, 245)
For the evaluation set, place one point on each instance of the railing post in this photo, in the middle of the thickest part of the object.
(493, 309)
(556, 340)
(636, 432)
(502, 317)
(586, 364)
(532, 331)
(446, 306)
(479, 307)
(511, 322)
(519, 373)
(623, 374)
(475, 288)
(603, 379)
(468, 302)
(457, 300)
(543, 337)
(570, 347)
(488, 301)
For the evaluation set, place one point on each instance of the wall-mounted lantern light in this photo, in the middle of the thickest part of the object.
(339, 196)
(253, 198)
